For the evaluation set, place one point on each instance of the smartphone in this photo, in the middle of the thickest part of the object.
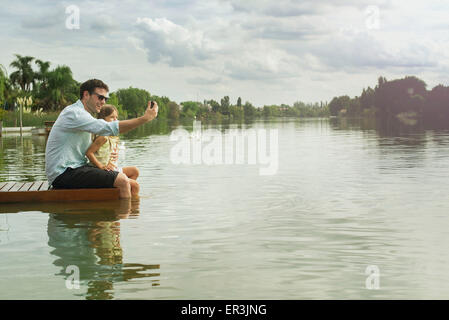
(152, 105)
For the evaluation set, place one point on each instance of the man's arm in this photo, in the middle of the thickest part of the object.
(150, 114)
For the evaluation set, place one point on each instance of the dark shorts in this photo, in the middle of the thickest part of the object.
(85, 177)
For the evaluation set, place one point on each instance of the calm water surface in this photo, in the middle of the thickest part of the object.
(346, 196)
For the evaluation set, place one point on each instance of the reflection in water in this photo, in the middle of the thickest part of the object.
(347, 195)
(22, 158)
(391, 128)
(88, 236)
(399, 145)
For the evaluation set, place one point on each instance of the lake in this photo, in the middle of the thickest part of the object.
(353, 210)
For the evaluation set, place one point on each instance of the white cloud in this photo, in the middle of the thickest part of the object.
(258, 62)
(104, 24)
(174, 44)
(365, 51)
(266, 51)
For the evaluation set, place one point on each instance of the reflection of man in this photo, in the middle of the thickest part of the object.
(91, 242)
(65, 161)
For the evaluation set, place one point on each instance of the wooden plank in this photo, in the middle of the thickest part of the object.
(17, 186)
(2, 184)
(36, 185)
(44, 186)
(26, 186)
(111, 206)
(61, 195)
(8, 186)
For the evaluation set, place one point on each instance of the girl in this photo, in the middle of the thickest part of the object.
(99, 152)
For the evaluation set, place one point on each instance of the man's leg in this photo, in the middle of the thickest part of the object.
(89, 177)
(122, 182)
(134, 188)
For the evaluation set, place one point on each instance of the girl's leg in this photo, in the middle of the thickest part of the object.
(131, 172)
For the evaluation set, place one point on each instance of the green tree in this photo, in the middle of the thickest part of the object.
(60, 87)
(437, 106)
(397, 96)
(215, 105)
(239, 102)
(224, 106)
(338, 103)
(41, 77)
(204, 111)
(367, 98)
(236, 112)
(249, 110)
(24, 75)
(173, 110)
(3, 85)
(190, 108)
(8, 93)
(113, 99)
(133, 100)
(354, 108)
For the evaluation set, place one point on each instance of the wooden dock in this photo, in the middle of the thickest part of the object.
(38, 191)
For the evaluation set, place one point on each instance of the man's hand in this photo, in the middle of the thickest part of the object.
(151, 113)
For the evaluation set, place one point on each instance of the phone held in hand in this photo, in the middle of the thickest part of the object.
(152, 105)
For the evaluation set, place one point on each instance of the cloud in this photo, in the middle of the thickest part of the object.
(365, 51)
(295, 29)
(205, 81)
(174, 44)
(48, 19)
(236, 46)
(262, 63)
(104, 24)
(118, 76)
(295, 8)
(281, 8)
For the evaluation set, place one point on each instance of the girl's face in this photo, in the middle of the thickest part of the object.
(112, 117)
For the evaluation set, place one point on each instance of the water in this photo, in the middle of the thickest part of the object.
(347, 195)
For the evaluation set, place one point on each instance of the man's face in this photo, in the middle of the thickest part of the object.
(96, 101)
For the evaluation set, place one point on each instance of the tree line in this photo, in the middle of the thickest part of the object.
(52, 89)
(406, 97)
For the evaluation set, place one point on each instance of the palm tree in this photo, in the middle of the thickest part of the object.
(3, 83)
(59, 82)
(7, 91)
(24, 76)
(42, 74)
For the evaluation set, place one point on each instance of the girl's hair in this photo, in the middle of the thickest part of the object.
(106, 110)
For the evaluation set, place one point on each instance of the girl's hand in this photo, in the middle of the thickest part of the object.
(114, 155)
(109, 167)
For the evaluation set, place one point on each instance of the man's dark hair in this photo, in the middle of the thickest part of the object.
(90, 86)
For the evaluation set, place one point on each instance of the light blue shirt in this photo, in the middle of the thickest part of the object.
(70, 137)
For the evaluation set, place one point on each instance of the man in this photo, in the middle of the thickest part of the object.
(65, 162)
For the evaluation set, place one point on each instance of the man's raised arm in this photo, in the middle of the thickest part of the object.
(150, 114)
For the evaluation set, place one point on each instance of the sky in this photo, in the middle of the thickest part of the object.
(264, 51)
